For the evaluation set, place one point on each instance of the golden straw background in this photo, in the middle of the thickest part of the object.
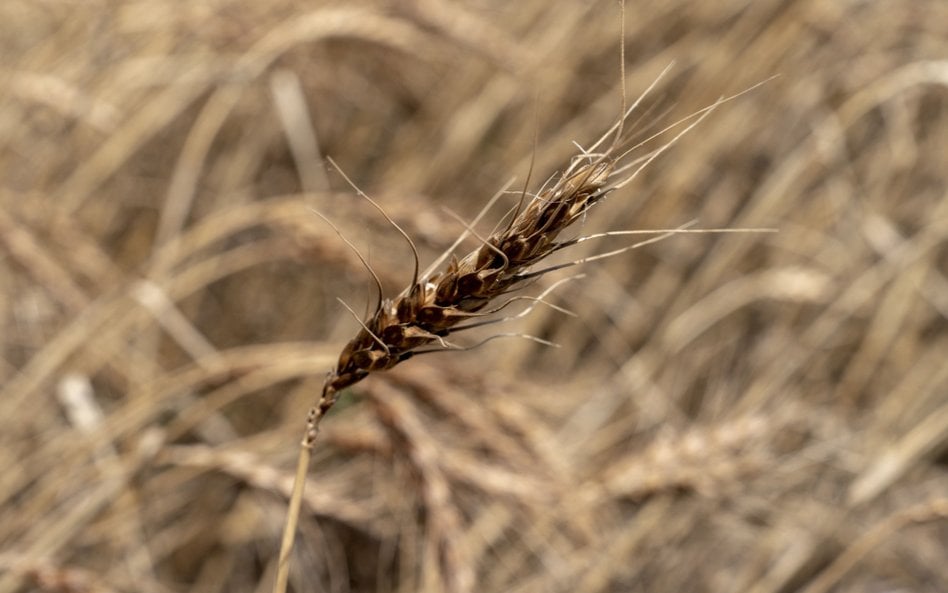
(762, 413)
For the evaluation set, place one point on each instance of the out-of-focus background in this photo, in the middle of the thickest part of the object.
(762, 413)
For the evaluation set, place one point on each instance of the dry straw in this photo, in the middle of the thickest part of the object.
(151, 171)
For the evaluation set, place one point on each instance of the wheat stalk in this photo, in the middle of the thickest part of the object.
(467, 292)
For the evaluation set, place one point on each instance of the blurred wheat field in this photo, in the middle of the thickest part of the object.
(754, 413)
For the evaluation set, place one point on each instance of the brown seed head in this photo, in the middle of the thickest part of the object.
(429, 311)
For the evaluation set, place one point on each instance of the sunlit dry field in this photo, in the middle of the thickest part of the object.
(748, 412)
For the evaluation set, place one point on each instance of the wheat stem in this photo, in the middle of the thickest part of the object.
(293, 513)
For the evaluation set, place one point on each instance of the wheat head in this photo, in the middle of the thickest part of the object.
(433, 307)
